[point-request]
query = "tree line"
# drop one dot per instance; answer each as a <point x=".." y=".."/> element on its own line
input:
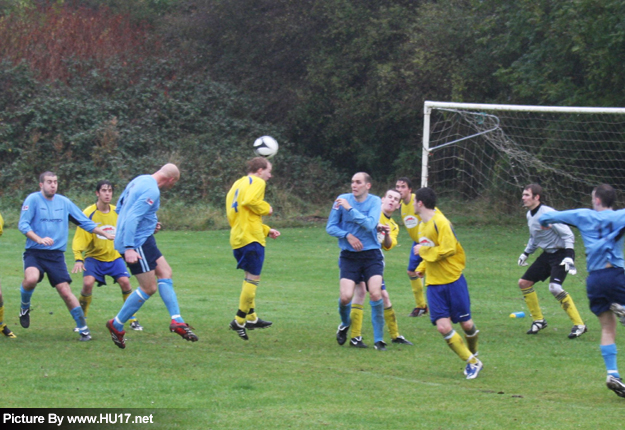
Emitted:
<point x="340" y="83"/>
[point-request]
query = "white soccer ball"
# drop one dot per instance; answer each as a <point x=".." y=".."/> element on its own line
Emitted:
<point x="266" y="146"/>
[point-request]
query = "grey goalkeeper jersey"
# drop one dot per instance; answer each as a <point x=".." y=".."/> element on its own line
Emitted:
<point x="559" y="236"/>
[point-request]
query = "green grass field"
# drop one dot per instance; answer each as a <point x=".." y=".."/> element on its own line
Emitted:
<point x="294" y="375"/>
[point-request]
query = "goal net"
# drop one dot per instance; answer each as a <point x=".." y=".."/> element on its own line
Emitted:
<point x="485" y="154"/>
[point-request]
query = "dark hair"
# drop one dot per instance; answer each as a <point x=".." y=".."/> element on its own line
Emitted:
<point x="393" y="190"/>
<point x="427" y="196"/>
<point x="102" y="183"/>
<point x="536" y="190"/>
<point x="44" y="174"/>
<point x="257" y="163"/>
<point x="606" y="194"/>
<point x="406" y="180"/>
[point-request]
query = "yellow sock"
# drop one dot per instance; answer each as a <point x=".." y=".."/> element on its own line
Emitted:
<point x="417" y="289"/>
<point x="125" y="295"/>
<point x="391" y="322"/>
<point x="356" y="317"/>
<point x="569" y="307"/>
<point x="85" y="302"/>
<point x="248" y="293"/>
<point x="531" y="300"/>
<point x="471" y="338"/>
<point x="251" y="314"/>
<point x="454" y="340"/>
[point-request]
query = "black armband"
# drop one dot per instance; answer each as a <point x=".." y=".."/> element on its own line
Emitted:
<point x="570" y="253"/>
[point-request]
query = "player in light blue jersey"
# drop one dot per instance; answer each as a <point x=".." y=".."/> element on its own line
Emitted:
<point x="44" y="221"/>
<point x="136" y="225"/>
<point x="354" y="221"/>
<point x="602" y="231"/>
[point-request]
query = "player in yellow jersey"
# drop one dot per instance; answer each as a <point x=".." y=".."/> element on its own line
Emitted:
<point x="245" y="208"/>
<point x="96" y="256"/>
<point x="3" y="327"/>
<point x="447" y="290"/>
<point x="411" y="221"/>
<point x="390" y="202"/>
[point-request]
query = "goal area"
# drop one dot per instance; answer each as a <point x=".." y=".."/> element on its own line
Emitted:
<point x="482" y="155"/>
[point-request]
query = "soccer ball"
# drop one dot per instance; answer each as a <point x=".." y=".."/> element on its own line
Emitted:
<point x="266" y="146"/>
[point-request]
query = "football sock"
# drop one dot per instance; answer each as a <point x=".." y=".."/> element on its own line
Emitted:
<point x="471" y="338"/>
<point x="246" y="300"/>
<point x="1" y="313"/>
<point x="344" y="312"/>
<point x="166" y="290"/>
<point x="531" y="300"/>
<point x="356" y="317"/>
<point x="454" y="340"/>
<point x="377" y="319"/>
<point x="79" y="317"/>
<point x="251" y="314"/>
<point x="417" y="289"/>
<point x="391" y="322"/>
<point x="85" y="302"/>
<point x="26" y="295"/>
<point x="569" y="307"/>
<point x="609" y="357"/>
<point x="125" y="295"/>
<point x="132" y="304"/>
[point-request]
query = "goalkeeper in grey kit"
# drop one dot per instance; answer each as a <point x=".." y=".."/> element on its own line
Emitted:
<point x="557" y="259"/>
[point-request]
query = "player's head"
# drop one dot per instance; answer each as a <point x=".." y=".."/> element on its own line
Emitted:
<point x="404" y="186"/>
<point x="426" y="197"/>
<point x="361" y="184"/>
<point x="167" y="176"/>
<point x="603" y="197"/>
<point x="104" y="191"/>
<point x="48" y="182"/>
<point x="259" y="166"/>
<point x="531" y="196"/>
<point x="390" y="201"/>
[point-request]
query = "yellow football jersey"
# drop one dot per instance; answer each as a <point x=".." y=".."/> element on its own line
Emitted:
<point x="410" y="219"/>
<point x="245" y="207"/>
<point x="1" y="224"/>
<point x="93" y="245"/>
<point x="386" y="220"/>
<point x="443" y="256"/>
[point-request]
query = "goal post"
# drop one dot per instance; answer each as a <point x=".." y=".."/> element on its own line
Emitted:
<point x="487" y="153"/>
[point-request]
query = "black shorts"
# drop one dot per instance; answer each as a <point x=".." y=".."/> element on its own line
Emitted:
<point x="148" y="253"/>
<point x="51" y="263"/>
<point x="547" y="266"/>
<point x="361" y="266"/>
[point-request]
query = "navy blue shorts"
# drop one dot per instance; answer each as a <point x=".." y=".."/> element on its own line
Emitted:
<point x="148" y="253"/>
<point x="547" y="265"/>
<point x="99" y="269"/>
<point x="250" y="258"/>
<point x="51" y="263"/>
<point x="449" y="301"/>
<point x="604" y="287"/>
<point x="414" y="260"/>
<point x="361" y="266"/>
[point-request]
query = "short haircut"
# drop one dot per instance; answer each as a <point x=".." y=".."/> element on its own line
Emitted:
<point x="366" y="176"/>
<point x="392" y="190"/>
<point x="607" y="194"/>
<point x="44" y="174"/>
<point x="102" y="183"/>
<point x="257" y="163"/>
<point x="536" y="190"/>
<point x="406" y="180"/>
<point x="427" y="196"/>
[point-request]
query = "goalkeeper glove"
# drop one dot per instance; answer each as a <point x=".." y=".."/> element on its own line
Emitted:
<point x="569" y="265"/>
<point x="523" y="260"/>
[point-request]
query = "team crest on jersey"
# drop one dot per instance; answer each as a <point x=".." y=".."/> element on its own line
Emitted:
<point x="424" y="241"/>
<point x="411" y="221"/>
<point x="25" y="207"/>
<point x="110" y="229"/>
<point x="149" y="201"/>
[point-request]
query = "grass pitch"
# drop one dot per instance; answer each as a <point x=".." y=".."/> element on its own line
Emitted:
<point x="294" y="375"/>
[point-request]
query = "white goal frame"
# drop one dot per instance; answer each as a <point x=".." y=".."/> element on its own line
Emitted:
<point x="430" y="105"/>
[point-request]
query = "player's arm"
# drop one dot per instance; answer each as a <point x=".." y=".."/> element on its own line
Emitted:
<point x="368" y="222"/>
<point x="334" y="220"/>
<point x="254" y="199"/>
<point x="390" y="238"/>
<point x="25" y="223"/>
<point x="82" y="240"/>
<point x="447" y="244"/>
